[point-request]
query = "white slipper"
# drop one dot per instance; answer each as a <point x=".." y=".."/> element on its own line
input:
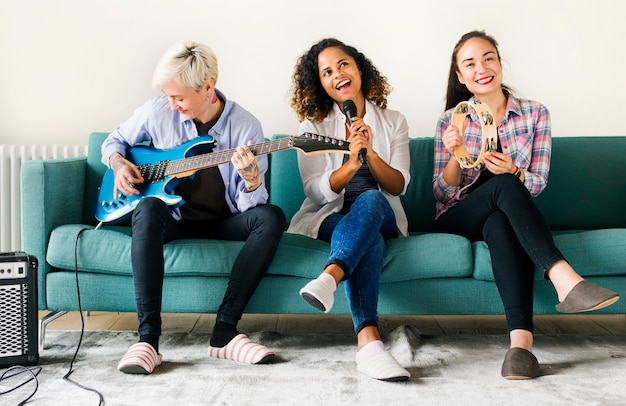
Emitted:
<point x="242" y="349"/>
<point x="141" y="358"/>
<point x="382" y="366"/>
<point x="318" y="295"/>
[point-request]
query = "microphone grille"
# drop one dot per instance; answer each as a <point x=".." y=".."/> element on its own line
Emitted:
<point x="349" y="109"/>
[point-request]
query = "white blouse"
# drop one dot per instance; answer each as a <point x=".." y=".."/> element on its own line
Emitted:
<point x="390" y="139"/>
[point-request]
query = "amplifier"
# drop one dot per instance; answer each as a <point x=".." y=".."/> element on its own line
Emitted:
<point x="18" y="309"/>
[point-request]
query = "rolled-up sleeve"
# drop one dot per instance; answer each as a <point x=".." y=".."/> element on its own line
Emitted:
<point x="443" y="192"/>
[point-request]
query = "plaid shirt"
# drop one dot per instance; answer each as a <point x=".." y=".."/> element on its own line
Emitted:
<point x="525" y="136"/>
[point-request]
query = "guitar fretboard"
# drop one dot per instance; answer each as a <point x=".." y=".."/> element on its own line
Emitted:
<point x="208" y="160"/>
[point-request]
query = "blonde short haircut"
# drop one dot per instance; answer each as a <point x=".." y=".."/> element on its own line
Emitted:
<point x="189" y="64"/>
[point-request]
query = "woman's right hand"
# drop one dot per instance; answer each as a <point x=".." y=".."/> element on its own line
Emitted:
<point x="453" y="137"/>
<point x="127" y="175"/>
<point x="360" y="137"/>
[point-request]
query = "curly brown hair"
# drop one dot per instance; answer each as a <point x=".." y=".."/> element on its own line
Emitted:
<point x="310" y="100"/>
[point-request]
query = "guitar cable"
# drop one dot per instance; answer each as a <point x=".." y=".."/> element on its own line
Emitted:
<point x="82" y="327"/>
<point x="33" y="371"/>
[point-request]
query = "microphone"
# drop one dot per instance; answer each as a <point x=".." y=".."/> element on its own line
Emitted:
<point x="349" y="109"/>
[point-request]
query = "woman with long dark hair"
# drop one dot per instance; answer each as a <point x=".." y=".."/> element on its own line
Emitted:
<point x="495" y="204"/>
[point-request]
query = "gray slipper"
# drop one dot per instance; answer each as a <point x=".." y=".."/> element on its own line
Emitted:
<point x="585" y="297"/>
<point x="520" y="364"/>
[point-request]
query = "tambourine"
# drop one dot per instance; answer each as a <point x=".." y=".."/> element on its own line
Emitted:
<point x="489" y="134"/>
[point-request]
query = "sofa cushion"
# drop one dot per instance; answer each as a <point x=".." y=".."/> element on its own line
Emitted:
<point x="586" y="185"/>
<point x="286" y="189"/>
<point x="591" y="253"/>
<point x="425" y="256"/>
<point x="93" y="177"/>
<point x="107" y="250"/>
<point x="99" y="251"/>
<point x="419" y="200"/>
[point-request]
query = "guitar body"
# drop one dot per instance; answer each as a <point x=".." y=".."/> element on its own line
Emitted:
<point x="163" y="170"/>
<point x="114" y="209"/>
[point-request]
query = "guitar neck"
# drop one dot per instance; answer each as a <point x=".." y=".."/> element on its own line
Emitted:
<point x="191" y="164"/>
<point x="158" y="175"/>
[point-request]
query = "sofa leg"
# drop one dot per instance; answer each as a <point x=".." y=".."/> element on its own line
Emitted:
<point x="44" y="321"/>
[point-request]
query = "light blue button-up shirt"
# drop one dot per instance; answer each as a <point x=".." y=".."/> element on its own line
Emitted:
<point x="155" y="122"/>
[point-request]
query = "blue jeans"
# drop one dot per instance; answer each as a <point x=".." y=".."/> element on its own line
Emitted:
<point x="357" y="245"/>
<point x="261" y="228"/>
<point x="503" y="214"/>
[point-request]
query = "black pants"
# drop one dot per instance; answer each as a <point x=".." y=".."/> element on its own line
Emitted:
<point x="503" y="214"/>
<point x="261" y="228"/>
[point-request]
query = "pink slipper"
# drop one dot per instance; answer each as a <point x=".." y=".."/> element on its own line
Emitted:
<point x="242" y="349"/>
<point x="141" y="358"/>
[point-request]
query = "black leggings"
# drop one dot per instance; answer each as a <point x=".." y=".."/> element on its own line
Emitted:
<point x="261" y="228"/>
<point x="503" y="214"/>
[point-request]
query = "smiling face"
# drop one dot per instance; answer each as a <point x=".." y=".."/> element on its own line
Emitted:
<point x="339" y="75"/>
<point x="190" y="103"/>
<point x="479" y="67"/>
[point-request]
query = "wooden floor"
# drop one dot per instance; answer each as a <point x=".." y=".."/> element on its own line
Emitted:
<point x="593" y="324"/>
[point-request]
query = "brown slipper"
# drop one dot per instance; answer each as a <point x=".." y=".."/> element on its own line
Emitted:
<point x="519" y="364"/>
<point x="585" y="297"/>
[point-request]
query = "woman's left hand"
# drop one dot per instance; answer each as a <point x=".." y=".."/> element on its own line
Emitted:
<point x="247" y="166"/>
<point x="499" y="163"/>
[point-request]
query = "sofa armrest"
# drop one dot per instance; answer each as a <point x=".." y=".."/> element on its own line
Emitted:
<point x="52" y="193"/>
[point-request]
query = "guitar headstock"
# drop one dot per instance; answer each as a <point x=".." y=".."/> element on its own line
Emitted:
<point x="311" y="143"/>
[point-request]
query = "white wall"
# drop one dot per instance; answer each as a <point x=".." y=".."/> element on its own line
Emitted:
<point x="70" y="67"/>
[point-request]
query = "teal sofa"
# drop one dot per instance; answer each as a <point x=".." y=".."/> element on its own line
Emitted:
<point x="424" y="274"/>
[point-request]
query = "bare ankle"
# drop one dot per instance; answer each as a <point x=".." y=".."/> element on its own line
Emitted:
<point x="563" y="277"/>
<point x="336" y="272"/>
<point x="367" y="335"/>
<point x="521" y="339"/>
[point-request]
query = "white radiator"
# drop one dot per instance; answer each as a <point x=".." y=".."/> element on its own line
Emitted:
<point x="11" y="158"/>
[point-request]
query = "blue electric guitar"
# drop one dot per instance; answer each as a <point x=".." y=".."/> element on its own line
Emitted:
<point x="163" y="170"/>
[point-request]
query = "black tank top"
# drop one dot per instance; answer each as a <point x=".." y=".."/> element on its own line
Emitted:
<point x="362" y="181"/>
<point x="204" y="194"/>
<point x="485" y="175"/>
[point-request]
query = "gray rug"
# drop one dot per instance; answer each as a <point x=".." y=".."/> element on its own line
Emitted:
<point x="320" y="370"/>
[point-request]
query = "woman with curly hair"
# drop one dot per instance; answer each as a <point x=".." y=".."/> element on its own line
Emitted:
<point x="352" y="200"/>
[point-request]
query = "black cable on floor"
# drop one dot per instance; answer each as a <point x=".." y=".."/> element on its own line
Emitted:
<point x="20" y="370"/>
<point x="82" y="327"/>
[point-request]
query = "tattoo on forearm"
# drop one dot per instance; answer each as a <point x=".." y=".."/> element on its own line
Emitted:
<point x="251" y="176"/>
<point x="116" y="161"/>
